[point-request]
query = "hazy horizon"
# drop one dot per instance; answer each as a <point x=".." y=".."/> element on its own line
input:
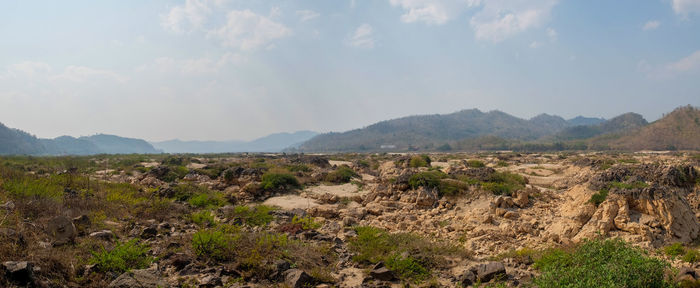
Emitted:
<point x="239" y="70"/>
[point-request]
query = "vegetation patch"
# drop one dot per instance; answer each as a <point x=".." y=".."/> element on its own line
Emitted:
<point x="419" y="161"/>
<point x="123" y="257"/>
<point x="599" y="197"/>
<point x="278" y="181"/>
<point x="341" y="175"/>
<point x="409" y="255"/>
<point x="503" y="183"/>
<point x="601" y="263"/>
<point x="475" y="164"/>
<point x="252" y="216"/>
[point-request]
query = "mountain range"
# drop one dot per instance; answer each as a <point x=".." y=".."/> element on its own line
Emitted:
<point x="466" y="130"/>
<point x="469" y="130"/>
<point x="270" y="143"/>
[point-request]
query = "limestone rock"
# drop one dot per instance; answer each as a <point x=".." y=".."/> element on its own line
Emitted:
<point x="62" y="230"/>
<point x="138" y="278"/>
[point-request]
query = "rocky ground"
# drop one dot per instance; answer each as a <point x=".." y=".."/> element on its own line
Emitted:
<point x="381" y="220"/>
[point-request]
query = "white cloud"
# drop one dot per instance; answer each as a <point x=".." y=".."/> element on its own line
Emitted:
<point x="82" y="74"/>
<point x="306" y="15"/>
<point x="363" y="37"/>
<point x="434" y="12"/>
<point x="685" y="7"/>
<point x="552" y="34"/>
<point x="246" y="30"/>
<point x="651" y="25"/>
<point x="686" y="64"/>
<point x="28" y="68"/>
<point x="187" y="17"/>
<point x="535" y="44"/>
<point x="501" y="19"/>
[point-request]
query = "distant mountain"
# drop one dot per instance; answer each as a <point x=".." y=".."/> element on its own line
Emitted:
<point x="622" y="123"/>
<point x="431" y="131"/>
<point x="17" y="142"/>
<point x="679" y="129"/>
<point x="270" y="143"/>
<point x="584" y="121"/>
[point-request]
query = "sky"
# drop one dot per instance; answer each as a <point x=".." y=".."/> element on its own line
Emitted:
<point x="242" y="69"/>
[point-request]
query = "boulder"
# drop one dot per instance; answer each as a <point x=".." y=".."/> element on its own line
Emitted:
<point x="19" y="272"/>
<point x="106" y="235"/>
<point x="486" y="272"/>
<point x="149" y="232"/>
<point x="296" y="278"/>
<point x="62" y="230"/>
<point x="380" y="272"/>
<point x="138" y="278"/>
<point x="467" y="278"/>
<point x="426" y="197"/>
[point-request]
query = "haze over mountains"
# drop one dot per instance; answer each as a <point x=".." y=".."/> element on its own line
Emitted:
<point x="466" y="130"/>
<point x="270" y="143"/>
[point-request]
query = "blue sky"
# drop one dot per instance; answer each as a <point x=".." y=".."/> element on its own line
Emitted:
<point x="220" y="70"/>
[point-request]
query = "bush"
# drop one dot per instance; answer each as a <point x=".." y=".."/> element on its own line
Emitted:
<point x="299" y="168"/>
<point x="503" y="183"/>
<point x="306" y="222"/>
<point x="675" y="249"/>
<point x="691" y="256"/>
<point x="203" y="218"/>
<point x="341" y="175"/>
<point x="428" y="179"/>
<point x="408" y="255"/>
<point x="216" y="244"/>
<point x="600" y="263"/>
<point x="123" y="257"/>
<point x="271" y="181"/>
<point x="475" y="164"/>
<point x="253" y="216"/>
<point x="419" y="161"/>
<point x="599" y="197"/>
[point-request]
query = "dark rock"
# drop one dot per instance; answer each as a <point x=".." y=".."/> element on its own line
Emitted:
<point x="296" y="278"/>
<point x="467" y="278"/>
<point x="491" y="270"/>
<point x="19" y="272"/>
<point x="138" y="278"/>
<point x="380" y="272"/>
<point x="62" y="230"/>
<point x="180" y="261"/>
<point x="149" y="232"/>
<point x="82" y="223"/>
<point x="7" y="234"/>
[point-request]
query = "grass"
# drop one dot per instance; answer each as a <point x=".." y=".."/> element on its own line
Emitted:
<point x="252" y="216"/>
<point x="203" y="218"/>
<point x="601" y="263"/>
<point x="409" y="255"/>
<point x="123" y="257"/>
<point x="342" y="174"/>
<point x="428" y="179"/>
<point x="475" y="164"/>
<point x="419" y="161"/>
<point x="503" y="183"/>
<point x="215" y="244"/>
<point x="306" y="222"/>
<point x="277" y="181"/>
<point x="599" y="197"/>
<point x="199" y="196"/>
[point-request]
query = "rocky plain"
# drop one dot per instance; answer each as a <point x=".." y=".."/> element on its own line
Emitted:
<point x="349" y="220"/>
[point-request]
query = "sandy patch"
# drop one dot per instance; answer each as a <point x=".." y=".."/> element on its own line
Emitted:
<point x="196" y="165"/>
<point x="289" y="202"/>
<point x="345" y="190"/>
<point x="149" y="164"/>
<point x="339" y="163"/>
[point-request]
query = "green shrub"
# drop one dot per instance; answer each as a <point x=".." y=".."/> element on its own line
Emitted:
<point x="428" y="179"/>
<point x="625" y="186"/>
<point x="600" y="263"/>
<point x="216" y="243"/>
<point x="208" y="199"/>
<point x="691" y="256"/>
<point x="203" y="218"/>
<point x="123" y="257"/>
<point x="419" y="161"/>
<point x="503" y="183"/>
<point x="599" y="197"/>
<point x="675" y="249"/>
<point x="299" y="168"/>
<point x="409" y="255"/>
<point x="475" y="164"/>
<point x="341" y="175"/>
<point x="253" y="216"/>
<point x="175" y="172"/>
<point x="307" y="222"/>
<point x="271" y="180"/>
